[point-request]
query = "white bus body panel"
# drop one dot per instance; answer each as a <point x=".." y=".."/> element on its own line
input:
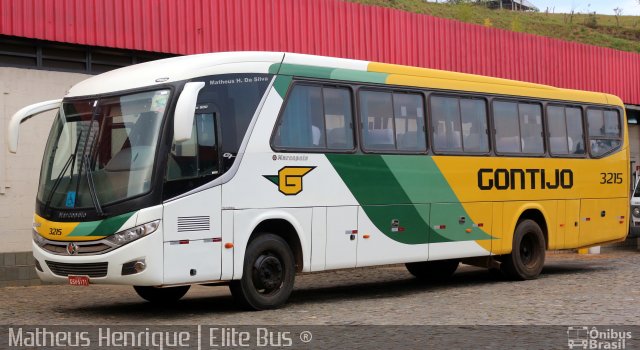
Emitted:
<point x="192" y="238"/>
<point x="342" y="237"/>
<point x="379" y="249"/>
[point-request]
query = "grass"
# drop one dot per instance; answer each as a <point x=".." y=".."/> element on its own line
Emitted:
<point x="599" y="30"/>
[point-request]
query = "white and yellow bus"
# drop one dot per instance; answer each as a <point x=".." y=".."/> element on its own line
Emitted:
<point x="249" y="167"/>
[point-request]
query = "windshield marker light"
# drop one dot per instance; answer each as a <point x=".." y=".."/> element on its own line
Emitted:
<point x="130" y="235"/>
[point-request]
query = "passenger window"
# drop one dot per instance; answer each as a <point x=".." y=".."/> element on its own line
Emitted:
<point x="604" y="131"/>
<point x="377" y="120"/>
<point x="409" y="117"/>
<point x="575" y="133"/>
<point x="338" y="118"/>
<point x="459" y="124"/>
<point x="557" y="130"/>
<point x="475" y="138"/>
<point x="518" y="127"/>
<point x="531" y="128"/>
<point x="505" y="119"/>
<point x="392" y="121"/>
<point x="445" y="120"/>
<point x="316" y="118"/>
<point x="611" y="124"/>
<point x="302" y="124"/>
<point x="565" y="130"/>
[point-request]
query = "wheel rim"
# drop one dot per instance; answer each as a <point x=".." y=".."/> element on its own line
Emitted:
<point x="267" y="273"/>
<point x="528" y="250"/>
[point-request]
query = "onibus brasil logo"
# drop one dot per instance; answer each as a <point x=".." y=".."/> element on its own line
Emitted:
<point x="289" y="179"/>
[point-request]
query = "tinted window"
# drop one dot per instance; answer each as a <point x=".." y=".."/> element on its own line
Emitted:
<point x="531" y="128"/>
<point x="604" y="131"/>
<point x="409" y="122"/>
<point x="338" y="119"/>
<point x="377" y="120"/>
<point x="316" y="117"/>
<point x="505" y="119"/>
<point x="392" y="121"/>
<point x="459" y="124"/>
<point x="197" y="156"/>
<point x="596" y="122"/>
<point x="557" y="130"/>
<point x="575" y="133"/>
<point x="225" y="108"/>
<point x="518" y="127"/>
<point x="445" y="119"/>
<point x="565" y="130"/>
<point x="302" y="125"/>
<point x="474" y="125"/>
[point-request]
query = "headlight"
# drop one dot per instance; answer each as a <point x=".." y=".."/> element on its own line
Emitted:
<point x="636" y="212"/>
<point x="130" y="235"/>
<point x="40" y="241"/>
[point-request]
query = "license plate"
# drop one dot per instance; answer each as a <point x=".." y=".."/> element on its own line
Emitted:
<point x="79" y="280"/>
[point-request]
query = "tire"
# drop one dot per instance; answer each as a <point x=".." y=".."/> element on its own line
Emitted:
<point x="528" y="252"/>
<point x="268" y="274"/>
<point x="161" y="295"/>
<point x="438" y="270"/>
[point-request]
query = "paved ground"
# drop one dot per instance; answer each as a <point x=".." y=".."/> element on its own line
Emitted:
<point x="573" y="289"/>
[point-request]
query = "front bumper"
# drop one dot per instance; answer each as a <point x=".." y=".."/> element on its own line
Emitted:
<point x="106" y="268"/>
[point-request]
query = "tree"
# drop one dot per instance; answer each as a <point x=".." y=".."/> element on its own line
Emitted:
<point x="618" y="12"/>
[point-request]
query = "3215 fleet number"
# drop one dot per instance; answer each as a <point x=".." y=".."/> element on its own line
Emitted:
<point x="610" y="178"/>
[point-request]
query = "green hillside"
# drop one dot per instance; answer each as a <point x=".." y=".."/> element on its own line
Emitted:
<point x="600" y="30"/>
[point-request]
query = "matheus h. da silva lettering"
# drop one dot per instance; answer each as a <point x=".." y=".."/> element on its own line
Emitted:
<point x="161" y="177"/>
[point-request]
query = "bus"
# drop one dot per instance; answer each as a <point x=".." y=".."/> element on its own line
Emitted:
<point x="246" y="168"/>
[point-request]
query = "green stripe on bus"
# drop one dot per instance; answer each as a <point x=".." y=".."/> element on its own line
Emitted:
<point x="282" y="84"/>
<point x="328" y="73"/>
<point x="409" y="183"/>
<point x="104" y="227"/>
<point x="359" y="76"/>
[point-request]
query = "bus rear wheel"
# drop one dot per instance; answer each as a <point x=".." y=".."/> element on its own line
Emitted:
<point x="527" y="256"/>
<point x="268" y="274"/>
<point x="438" y="270"/>
<point x="161" y="295"/>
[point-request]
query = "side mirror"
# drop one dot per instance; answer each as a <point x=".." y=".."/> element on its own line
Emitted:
<point x="23" y="115"/>
<point x="185" y="109"/>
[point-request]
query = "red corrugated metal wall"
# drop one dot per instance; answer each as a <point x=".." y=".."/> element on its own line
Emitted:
<point x="324" y="27"/>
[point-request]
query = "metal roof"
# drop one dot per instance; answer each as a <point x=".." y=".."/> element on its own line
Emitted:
<point x="329" y="28"/>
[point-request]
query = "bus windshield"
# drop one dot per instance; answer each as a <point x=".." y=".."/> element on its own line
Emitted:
<point x="101" y="150"/>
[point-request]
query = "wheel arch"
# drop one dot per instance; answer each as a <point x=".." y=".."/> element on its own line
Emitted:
<point x="538" y="214"/>
<point x="282" y="228"/>
<point x="288" y="225"/>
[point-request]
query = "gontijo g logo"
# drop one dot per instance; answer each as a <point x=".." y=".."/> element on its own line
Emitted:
<point x="289" y="179"/>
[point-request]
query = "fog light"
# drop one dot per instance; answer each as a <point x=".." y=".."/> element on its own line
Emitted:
<point x="636" y="212"/>
<point x="38" y="267"/>
<point x="133" y="267"/>
<point x="139" y="266"/>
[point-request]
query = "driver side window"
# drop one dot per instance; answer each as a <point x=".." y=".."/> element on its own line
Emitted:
<point x="198" y="156"/>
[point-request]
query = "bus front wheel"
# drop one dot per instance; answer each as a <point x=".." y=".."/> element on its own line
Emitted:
<point x="437" y="270"/>
<point x="527" y="256"/>
<point x="268" y="274"/>
<point x="161" y="295"/>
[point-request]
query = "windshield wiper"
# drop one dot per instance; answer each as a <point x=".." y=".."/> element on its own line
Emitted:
<point x="92" y="186"/>
<point x="71" y="161"/>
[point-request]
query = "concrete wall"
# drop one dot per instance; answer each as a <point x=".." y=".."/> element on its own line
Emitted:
<point x="19" y="172"/>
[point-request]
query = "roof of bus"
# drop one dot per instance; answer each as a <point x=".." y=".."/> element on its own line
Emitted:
<point x="187" y="67"/>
